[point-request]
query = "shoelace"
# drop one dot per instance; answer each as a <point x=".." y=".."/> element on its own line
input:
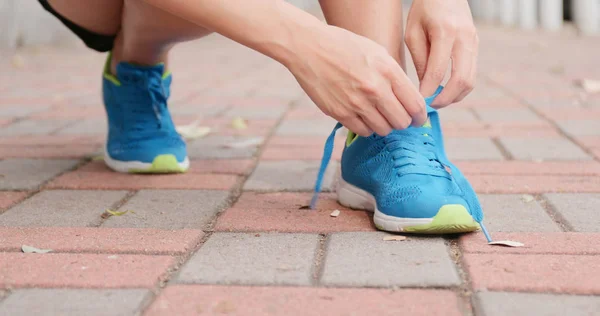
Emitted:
<point x="152" y="86"/>
<point x="436" y="131"/>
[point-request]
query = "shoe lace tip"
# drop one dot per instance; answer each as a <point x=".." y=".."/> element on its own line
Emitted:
<point x="313" y="201"/>
<point x="485" y="232"/>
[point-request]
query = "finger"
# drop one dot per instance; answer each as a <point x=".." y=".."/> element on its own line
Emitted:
<point x="460" y="78"/>
<point x="393" y="111"/>
<point x="473" y="78"/>
<point x="418" y="46"/>
<point x="411" y="100"/>
<point x="357" y="126"/>
<point x="437" y="64"/>
<point x="376" y="122"/>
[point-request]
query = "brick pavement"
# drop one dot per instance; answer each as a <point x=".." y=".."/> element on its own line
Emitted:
<point x="231" y="236"/>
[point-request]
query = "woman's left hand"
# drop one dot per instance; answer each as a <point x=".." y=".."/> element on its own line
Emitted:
<point x="438" y="32"/>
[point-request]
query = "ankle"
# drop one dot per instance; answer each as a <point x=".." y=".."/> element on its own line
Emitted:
<point x="137" y="54"/>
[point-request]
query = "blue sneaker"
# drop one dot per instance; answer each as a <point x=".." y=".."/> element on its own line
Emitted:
<point x="406" y="179"/>
<point x="141" y="134"/>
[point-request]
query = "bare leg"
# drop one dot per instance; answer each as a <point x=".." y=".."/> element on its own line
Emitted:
<point x="145" y="34"/>
<point x="380" y="21"/>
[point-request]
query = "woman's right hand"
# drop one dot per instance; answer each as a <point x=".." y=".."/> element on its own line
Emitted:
<point x="355" y="81"/>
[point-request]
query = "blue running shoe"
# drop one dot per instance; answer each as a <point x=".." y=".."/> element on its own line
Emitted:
<point x="406" y="179"/>
<point x="141" y="134"/>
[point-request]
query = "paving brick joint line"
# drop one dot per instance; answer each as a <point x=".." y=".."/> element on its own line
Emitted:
<point x="231" y="236"/>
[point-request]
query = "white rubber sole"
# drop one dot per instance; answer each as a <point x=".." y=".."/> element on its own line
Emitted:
<point x="353" y="197"/>
<point x="172" y="166"/>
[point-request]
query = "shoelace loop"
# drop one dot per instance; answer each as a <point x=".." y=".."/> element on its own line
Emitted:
<point x="148" y="84"/>
<point x="440" y="154"/>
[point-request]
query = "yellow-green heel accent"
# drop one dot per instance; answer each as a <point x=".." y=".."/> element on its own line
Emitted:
<point x="450" y="219"/>
<point x="162" y="164"/>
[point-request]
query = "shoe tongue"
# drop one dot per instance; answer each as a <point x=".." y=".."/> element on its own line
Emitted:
<point x="427" y="124"/>
<point x="127" y="71"/>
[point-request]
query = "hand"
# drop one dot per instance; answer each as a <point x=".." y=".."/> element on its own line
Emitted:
<point x="438" y="31"/>
<point x="355" y="81"/>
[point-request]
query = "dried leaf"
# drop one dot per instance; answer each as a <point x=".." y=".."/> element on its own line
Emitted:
<point x="239" y="123"/>
<point x="527" y="198"/>
<point x="116" y="213"/>
<point x="30" y="249"/>
<point x="251" y="142"/>
<point x="335" y="213"/>
<point x="98" y="158"/>
<point x="394" y="238"/>
<point x="590" y="86"/>
<point x="506" y="243"/>
<point x="193" y="130"/>
<point x="18" y="61"/>
<point x="304" y="207"/>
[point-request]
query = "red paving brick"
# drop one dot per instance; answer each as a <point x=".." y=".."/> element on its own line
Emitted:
<point x="536" y="243"/>
<point x="571" y="113"/>
<point x="230" y="300"/>
<point x="55" y="270"/>
<point x="463" y="130"/>
<point x="534" y="184"/>
<point x="300" y="153"/>
<point x="72" y="151"/>
<point x="219" y="166"/>
<point x="589" y="141"/>
<point x="281" y="212"/>
<point x="9" y="198"/>
<point x="573" y="274"/>
<point x="293" y="141"/>
<point x="504" y="103"/>
<point x="119" y="181"/>
<point x="587" y="168"/>
<point x="101" y="240"/>
<point x="51" y="140"/>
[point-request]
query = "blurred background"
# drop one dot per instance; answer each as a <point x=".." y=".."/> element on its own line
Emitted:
<point x="23" y="22"/>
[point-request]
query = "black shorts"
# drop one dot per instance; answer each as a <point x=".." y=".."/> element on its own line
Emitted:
<point x="95" y="41"/>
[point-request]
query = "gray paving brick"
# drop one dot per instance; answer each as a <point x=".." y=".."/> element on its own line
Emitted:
<point x="538" y="304"/>
<point x="580" y="128"/>
<point x="214" y="147"/>
<point x="24" y="174"/>
<point x="252" y="259"/>
<point x="61" y="208"/>
<point x="33" y="127"/>
<point x="306" y="127"/>
<point x="543" y="148"/>
<point x="510" y="115"/>
<point x="21" y="111"/>
<point x="515" y="213"/>
<point x="273" y="112"/>
<point x="472" y="149"/>
<point x="456" y="115"/>
<point x="51" y="302"/>
<point x="579" y="209"/>
<point x="365" y="259"/>
<point x="170" y="209"/>
<point x="292" y="175"/>
<point x="86" y="127"/>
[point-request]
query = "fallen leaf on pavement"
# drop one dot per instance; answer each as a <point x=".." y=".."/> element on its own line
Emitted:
<point x="506" y="243"/>
<point x="252" y="142"/>
<point x="18" y="61"/>
<point x="335" y="213"/>
<point x="30" y="249"/>
<point x="393" y="238"/>
<point x="193" y="130"/>
<point x="239" y="123"/>
<point x="590" y="86"/>
<point x="527" y="198"/>
<point x="116" y="213"/>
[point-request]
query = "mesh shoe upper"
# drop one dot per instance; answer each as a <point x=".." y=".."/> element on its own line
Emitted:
<point x="140" y="126"/>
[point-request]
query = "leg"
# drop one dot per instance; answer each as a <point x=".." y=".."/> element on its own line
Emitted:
<point x="148" y="33"/>
<point x="380" y="20"/>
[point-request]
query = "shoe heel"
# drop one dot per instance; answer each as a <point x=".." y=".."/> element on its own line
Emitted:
<point x="353" y="197"/>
